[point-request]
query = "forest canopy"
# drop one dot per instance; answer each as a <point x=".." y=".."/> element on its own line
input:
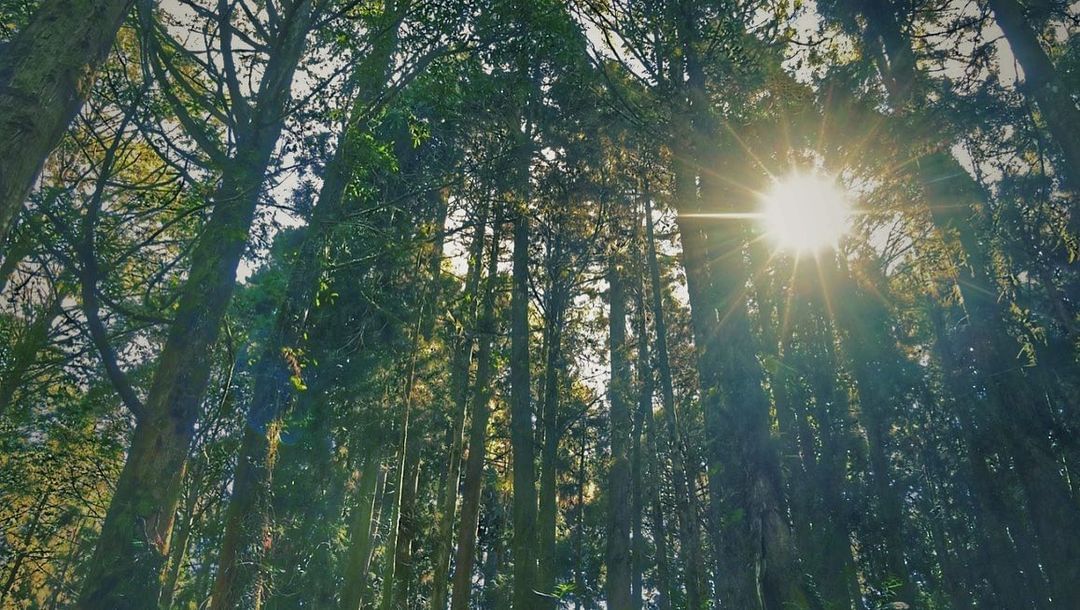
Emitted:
<point x="539" y="304"/>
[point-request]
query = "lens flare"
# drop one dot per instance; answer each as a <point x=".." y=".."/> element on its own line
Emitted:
<point x="806" y="213"/>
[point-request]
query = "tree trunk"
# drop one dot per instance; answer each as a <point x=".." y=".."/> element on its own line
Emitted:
<point x="474" y="464"/>
<point x="617" y="551"/>
<point x="684" y="476"/>
<point x="463" y="352"/>
<point x="278" y="374"/>
<point x="133" y="544"/>
<point x="354" y="573"/>
<point x="1014" y="421"/>
<point x="521" y="425"/>
<point x="553" y="366"/>
<point x="46" y="73"/>
<point x="649" y="467"/>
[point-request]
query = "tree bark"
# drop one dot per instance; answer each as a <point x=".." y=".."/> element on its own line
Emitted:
<point x="1014" y="420"/>
<point x="278" y="373"/>
<point x="463" y="353"/>
<point x="474" y="463"/>
<point x="553" y="367"/>
<point x="521" y="425"/>
<point x="46" y="73"/>
<point x="648" y="467"/>
<point x="355" y="573"/>
<point x="684" y="476"/>
<point x="133" y="544"/>
<point x="619" y="501"/>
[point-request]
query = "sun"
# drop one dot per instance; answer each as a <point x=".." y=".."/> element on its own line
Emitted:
<point x="806" y="212"/>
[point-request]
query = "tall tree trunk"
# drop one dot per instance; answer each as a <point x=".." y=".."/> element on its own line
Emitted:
<point x="743" y="460"/>
<point x="402" y="575"/>
<point x="398" y="555"/>
<point x="463" y="352"/>
<point x="617" y="550"/>
<point x="876" y="366"/>
<point x="46" y="73"/>
<point x="648" y="468"/>
<point x="521" y="425"/>
<point x="553" y="367"/>
<point x="182" y="536"/>
<point x="133" y="544"/>
<point x="684" y="476"/>
<point x="248" y="534"/>
<point x="474" y="463"/>
<point x="354" y="572"/>
<point x="579" y="528"/>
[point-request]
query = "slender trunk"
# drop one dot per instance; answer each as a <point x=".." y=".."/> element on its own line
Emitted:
<point x="648" y="469"/>
<point x="876" y="367"/>
<point x="474" y="463"/>
<point x="1002" y="559"/>
<point x="579" y="529"/>
<point x="133" y="544"/>
<point x="521" y="424"/>
<point x="46" y="73"/>
<point x="548" y="515"/>
<point x="354" y="572"/>
<point x="278" y="372"/>
<point x="739" y="429"/>
<point x="399" y="537"/>
<point x="637" y="542"/>
<point x="463" y="352"/>
<point x="684" y="476"/>
<point x="617" y="551"/>
<point x="182" y="535"/>
<point x="407" y="528"/>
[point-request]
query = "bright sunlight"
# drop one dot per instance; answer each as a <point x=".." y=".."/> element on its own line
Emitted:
<point x="806" y="212"/>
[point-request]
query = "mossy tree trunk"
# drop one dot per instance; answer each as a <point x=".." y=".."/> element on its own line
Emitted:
<point x="46" y="73"/>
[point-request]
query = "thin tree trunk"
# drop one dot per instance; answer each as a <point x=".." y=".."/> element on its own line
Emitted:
<point x="1015" y="420"/>
<point x="179" y="544"/>
<point x="133" y="545"/>
<point x="474" y="463"/>
<point x="46" y="73"/>
<point x="617" y="550"/>
<point x="463" y="352"/>
<point x="278" y="374"/>
<point x="354" y="573"/>
<point x="521" y="424"/>
<point x="548" y="515"/>
<point x="649" y="467"/>
<point x="579" y="529"/>
<point x="683" y="475"/>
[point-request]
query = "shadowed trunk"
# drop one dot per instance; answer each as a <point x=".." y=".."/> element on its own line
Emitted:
<point x="463" y="353"/>
<point x="521" y="424"/>
<point x="46" y="73"/>
<point x="133" y="544"/>
<point x="465" y="557"/>
<point x="618" y="585"/>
